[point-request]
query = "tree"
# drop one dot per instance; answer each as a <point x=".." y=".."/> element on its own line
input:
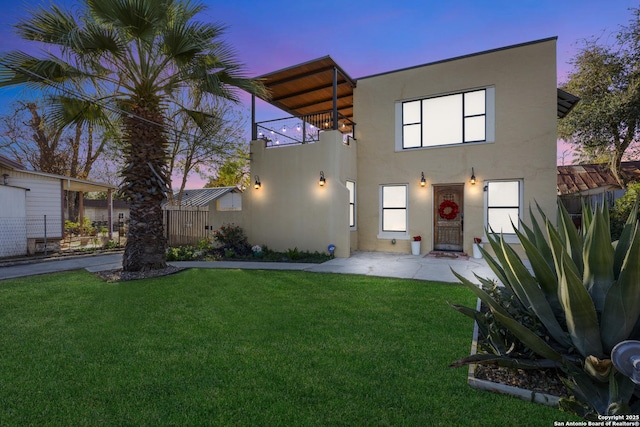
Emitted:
<point x="39" y="143"/>
<point x="135" y="57"/>
<point x="605" y="123"/>
<point x="233" y="172"/>
<point x="199" y="144"/>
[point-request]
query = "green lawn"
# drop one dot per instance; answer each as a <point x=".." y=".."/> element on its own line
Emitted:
<point x="260" y="348"/>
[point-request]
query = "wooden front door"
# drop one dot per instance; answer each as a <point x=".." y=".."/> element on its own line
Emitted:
<point x="448" y="217"/>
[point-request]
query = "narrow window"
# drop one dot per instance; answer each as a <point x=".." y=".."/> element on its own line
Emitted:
<point x="351" y="186"/>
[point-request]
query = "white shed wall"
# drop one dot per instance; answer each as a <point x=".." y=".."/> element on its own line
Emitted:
<point x="13" y="224"/>
<point x="43" y="198"/>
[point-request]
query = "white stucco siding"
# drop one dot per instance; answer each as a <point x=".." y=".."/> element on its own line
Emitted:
<point x="13" y="225"/>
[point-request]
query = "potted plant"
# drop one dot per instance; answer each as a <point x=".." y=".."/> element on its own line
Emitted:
<point x="415" y="245"/>
<point x="477" y="244"/>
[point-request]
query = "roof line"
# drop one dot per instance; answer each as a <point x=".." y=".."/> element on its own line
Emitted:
<point x="346" y="75"/>
<point x="462" y="57"/>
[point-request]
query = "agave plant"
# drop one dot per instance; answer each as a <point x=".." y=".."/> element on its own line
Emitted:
<point x="583" y="292"/>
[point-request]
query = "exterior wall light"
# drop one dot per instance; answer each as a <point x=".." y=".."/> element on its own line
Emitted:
<point x="257" y="184"/>
<point x="322" y="181"/>
<point x="423" y="181"/>
<point x="473" y="177"/>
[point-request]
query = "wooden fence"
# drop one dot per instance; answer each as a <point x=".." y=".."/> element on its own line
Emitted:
<point x="185" y="226"/>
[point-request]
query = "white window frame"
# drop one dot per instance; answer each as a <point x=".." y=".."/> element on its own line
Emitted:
<point x="352" y="205"/>
<point x="393" y="234"/>
<point x="489" y="120"/>
<point x="509" y="237"/>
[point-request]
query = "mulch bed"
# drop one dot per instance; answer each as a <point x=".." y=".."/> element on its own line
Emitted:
<point x="541" y="381"/>
<point x="122" y="276"/>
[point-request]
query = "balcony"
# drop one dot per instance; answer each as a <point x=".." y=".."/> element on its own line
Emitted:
<point x="303" y="130"/>
<point x="317" y="94"/>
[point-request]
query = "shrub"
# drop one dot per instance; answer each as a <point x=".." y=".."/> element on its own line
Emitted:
<point x="232" y="237"/>
<point x="622" y="209"/>
<point x="585" y="294"/>
<point x="184" y="253"/>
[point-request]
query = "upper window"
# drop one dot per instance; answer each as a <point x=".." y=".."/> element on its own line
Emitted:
<point x="447" y="119"/>
<point x="394" y="208"/>
<point x="504" y="203"/>
<point x="351" y="186"/>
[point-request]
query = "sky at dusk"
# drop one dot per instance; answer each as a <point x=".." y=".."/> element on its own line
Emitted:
<point x="369" y="37"/>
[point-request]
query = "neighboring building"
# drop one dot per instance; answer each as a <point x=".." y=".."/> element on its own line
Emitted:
<point x="98" y="211"/>
<point x="31" y="212"/>
<point x="440" y="150"/>
<point x="592" y="184"/>
<point x="188" y="222"/>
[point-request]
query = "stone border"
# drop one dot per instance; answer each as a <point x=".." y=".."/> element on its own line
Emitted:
<point x="520" y="393"/>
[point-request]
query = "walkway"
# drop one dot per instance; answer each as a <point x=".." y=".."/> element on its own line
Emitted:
<point x="381" y="264"/>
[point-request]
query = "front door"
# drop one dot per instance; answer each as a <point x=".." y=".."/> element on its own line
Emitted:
<point x="448" y="217"/>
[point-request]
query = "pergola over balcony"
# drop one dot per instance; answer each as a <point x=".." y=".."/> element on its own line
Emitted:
<point x="317" y="94"/>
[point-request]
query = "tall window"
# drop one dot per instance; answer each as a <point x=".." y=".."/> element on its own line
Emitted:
<point x="394" y="208"/>
<point x="448" y="119"/>
<point x="351" y="186"/>
<point x="504" y="203"/>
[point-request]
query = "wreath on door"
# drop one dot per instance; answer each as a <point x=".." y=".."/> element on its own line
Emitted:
<point x="448" y="209"/>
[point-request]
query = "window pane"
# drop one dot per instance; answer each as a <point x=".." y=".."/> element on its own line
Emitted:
<point x="503" y="194"/>
<point x="411" y="112"/>
<point x="474" y="103"/>
<point x="394" y="220"/>
<point x="474" y="129"/>
<point x="411" y="136"/>
<point x="351" y="186"/>
<point x="352" y="216"/>
<point x="500" y="219"/>
<point x="442" y="120"/>
<point x="394" y="196"/>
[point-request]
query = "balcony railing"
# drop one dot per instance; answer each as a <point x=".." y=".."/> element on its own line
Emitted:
<point x="302" y="130"/>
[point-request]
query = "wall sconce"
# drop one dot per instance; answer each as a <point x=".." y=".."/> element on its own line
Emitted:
<point x="257" y="184"/>
<point x="473" y="177"/>
<point x="423" y="181"/>
<point x="322" y="181"/>
<point x="5" y="178"/>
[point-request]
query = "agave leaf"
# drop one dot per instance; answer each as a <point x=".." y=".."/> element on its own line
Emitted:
<point x="546" y="276"/>
<point x="541" y="242"/>
<point x="625" y="240"/>
<point x="491" y="262"/>
<point x="591" y="391"/>
<point x="484" y="297"/>
<point x="621" y="390"/>
<point x="570" y="237"/>
<point x="524" y="283"/>
<point x="580" y="313"/>
<point x="587" y="216"/>
<point x="492" y="359"/>
<point x="599" y="369"/>
<point x="559" y="252"/>
<point x="528" y="337"/>
<point x="622" y="304"/>
<point x="598" y="259"/>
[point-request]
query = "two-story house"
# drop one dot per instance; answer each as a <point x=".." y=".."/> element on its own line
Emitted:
<point x="442" y="151"/>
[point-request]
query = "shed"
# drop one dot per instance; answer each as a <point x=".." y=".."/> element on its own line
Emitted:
<point x="35" y="217"/>
<point x="189" y="222"/>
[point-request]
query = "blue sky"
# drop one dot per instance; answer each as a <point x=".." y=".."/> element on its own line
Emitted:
<point x="369" y="37"/>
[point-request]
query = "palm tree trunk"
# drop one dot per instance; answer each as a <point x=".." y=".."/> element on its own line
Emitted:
<point x="145" y="184"/>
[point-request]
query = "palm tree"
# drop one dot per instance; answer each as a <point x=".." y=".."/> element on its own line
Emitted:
<point x="133" y="58"/>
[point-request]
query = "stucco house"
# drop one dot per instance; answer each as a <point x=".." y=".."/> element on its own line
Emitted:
<point x="440" y="150"/>
<point x="32" y="207"/>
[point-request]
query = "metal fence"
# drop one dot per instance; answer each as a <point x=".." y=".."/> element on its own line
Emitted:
<point x="185" y="226"/>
